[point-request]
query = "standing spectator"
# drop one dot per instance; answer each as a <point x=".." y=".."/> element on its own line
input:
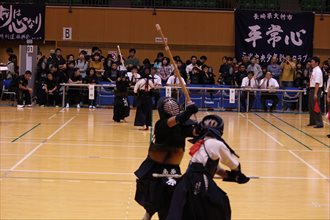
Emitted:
<point x="165" y="70"/>
<point x="92" y="79"/>
<point x="12" y="66"/>
<point x="121" y="104"/>
<point x="193" y="64"/>
<point x="69" y="58"/>
<point x="51" y="91"/>
<point x="59" y="61"/>
<point x="182" y="69"/>
<point x="82" y="64"/>
<point x="195" y="76"/>
<point x="248" y="82"/>
<point x="158" y="61"/>
<point x="269" y="83"/>
<point x="206" y="76"/>
<point x="23" y="92"/>
<point x="315" y="88"/>
<point x="157" y="81"/>
<point x="240" y="75"/>
<point x="97" y="64"/>
<point x="226" y="72"/>
<point x="173" y="80"/>
<point x="74" y="95"/>
<point x="143" y="115"/>
<point x="245" y="61"/>
<point x="202" y="61"/>
<point x="288" y="71"/>
<point x="274" y="68"/>
<point x="256" y="68"/>
<point x="132" y="60"/>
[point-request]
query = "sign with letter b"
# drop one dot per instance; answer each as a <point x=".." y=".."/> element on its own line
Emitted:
<point x="67" y="33"/>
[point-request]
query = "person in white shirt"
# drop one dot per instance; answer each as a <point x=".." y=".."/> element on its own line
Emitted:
<point x="174" y="80"/>
<point x="157" y="81"/>
<point x="197" y="195"/>
<point x="133" y="76"/>
<point x="315" y="88"/>
<point x="269" y="83"/>
<point x="193" y="64"/>
<point x="248" y="82"/>
<point x="143" y="116"/>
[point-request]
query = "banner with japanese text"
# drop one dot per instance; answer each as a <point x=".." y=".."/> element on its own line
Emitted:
<point x="22" y="22"/>
<point x="267" y="33"/>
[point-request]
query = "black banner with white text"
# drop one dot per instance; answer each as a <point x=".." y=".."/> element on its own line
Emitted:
<point x="267" y="33"/>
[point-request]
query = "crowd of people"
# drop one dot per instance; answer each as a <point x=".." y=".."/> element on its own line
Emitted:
<point x="56" y="68"/>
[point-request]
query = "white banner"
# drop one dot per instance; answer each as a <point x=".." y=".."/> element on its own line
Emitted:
<point x="232" y="96"/>
<point x="168" y="91"/>
<point x="91" y="91"/>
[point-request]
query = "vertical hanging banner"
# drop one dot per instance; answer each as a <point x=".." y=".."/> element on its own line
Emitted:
<point x="91" y="89"/>
<point x="22" y="22"/>
<point x="267" y="33"/>
<point x="232" y="96"/>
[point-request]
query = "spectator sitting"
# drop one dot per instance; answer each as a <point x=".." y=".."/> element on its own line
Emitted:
<point x="245" y="61"/>
<point x="240" y="74"/>
<point x="207" y="77"/>
<point x="193" y="63"/>
<point x="59" y="60"/>
<point x="74" y="95"/>
<point x="97" y="64"/>
<point x="248" y="82"/>
<point x="12" y="66"/>
<point x="158" y="60"/>
<point x="195" y="75"/>
<point x="112" y="74"/>
<point x="182" y="69"/>
<point x="256" y="68"/>
<point x="202" y="61"/>
<point x="23" y="92"/>
<point x="274" y="68"/>
<point x="132" y="60"/>
<point x="288" y="71"/>
<point x="226" y="72"/>
<point x="50" y="90"/>
<point x="269" y="83"/>
<point x="165" y="70"/>
<point x="82" y="64"/>
<point x="69" y="58"/>
<point x="299" y="80"/>
<point x="173" y="80"/>
<point x="133" y="76"/>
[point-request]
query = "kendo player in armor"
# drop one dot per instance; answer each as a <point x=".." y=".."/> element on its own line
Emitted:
<point x="164" y="157"/>
<point x="121" y="105"/>
<point x="143" y="88"/>
<point x="197" y="196"/>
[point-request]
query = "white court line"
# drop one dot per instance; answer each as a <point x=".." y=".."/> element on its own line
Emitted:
<point x="265" y="132"/>
<point x="325" y="122"/>
<point x="132" y="175"/>
<point x="242" y="115"/>
<point x="39" y="145"/>
<point x="52" y="116"/>
<point x="129" y="200"/>
<point x="307" y="164"/>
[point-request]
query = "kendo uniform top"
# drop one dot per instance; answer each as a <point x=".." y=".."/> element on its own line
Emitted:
<point x="197" y="196"/>
<point x="155" y="194"/>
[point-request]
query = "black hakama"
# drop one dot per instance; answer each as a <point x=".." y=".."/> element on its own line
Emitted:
<point x="197" y="197"/>
<point x="143" y="116"/>
<point x="121" y="108"/>
<point x="155" y="194"/>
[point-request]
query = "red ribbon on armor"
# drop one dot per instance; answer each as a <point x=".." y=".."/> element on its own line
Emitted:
<point x="193" y="149"/>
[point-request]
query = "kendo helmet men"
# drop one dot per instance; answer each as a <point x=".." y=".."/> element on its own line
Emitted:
<point x="168" y="107"/>
<point x="212" y="123"/>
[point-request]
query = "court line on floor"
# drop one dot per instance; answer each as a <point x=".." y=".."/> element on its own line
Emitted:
<point x="300" y="131"/>
<point x="26" y="132"/>
<point x="132" y="175"/>
<point x="265" y="132"/>
<point x="127" y="145"/>
<point x="307" y="164"/>
<point x="283" y="131"/>
<point x="39" y="145"/>
<point x="129" y="200"/>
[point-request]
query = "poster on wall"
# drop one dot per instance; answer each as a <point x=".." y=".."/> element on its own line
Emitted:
<point x="22" y="22"/>
<point x="267" y="33"/>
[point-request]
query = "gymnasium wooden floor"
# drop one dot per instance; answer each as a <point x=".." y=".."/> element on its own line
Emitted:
<point x="79" y="164"/>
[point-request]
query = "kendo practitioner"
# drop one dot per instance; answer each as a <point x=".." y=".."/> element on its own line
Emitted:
<point x="143" y="88"/>
<point x="121" y="105"/>
<point x="197" y="196"/>
<point x="164" y="157"/>
<point x="23" y="92"/>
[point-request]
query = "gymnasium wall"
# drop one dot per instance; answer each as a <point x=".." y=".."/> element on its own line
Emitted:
<point x="209" y="33"/>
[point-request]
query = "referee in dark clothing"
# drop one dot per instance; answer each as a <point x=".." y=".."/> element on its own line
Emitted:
<point x="315" y="87"/>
